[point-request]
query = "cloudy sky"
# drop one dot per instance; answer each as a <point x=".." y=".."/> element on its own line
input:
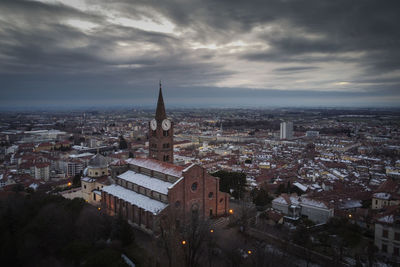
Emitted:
<point x="265" y="53"/>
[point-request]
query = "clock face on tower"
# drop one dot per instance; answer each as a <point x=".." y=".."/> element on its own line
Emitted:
<point x="166" y="124"/>
<point x="153" y="124"/>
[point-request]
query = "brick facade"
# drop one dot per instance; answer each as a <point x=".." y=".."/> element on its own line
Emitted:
<point x="145" y="189"/>
<point x="161" y="143"/>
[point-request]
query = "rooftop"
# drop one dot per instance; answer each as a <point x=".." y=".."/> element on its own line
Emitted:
<point x="153" y="184"/>
<point x="158" y="166"/>
<point x="136" y="199"/>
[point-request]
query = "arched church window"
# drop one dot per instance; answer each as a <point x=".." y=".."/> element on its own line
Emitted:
<point x="194" y="186"/>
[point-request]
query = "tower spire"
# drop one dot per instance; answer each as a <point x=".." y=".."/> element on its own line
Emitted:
<point x="160" y="111"/>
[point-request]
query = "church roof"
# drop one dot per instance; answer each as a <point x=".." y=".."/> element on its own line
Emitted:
<point x="146" y="181"/>
<point x="97" y="161"/>
<point x="136" y="199"/>
<point x="160" y="111"/>
<point x="158" y="166"/>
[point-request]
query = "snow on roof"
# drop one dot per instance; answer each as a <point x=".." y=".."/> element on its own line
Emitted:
<point x="350" y="204"/>
<point x="146" y="181"/>
<point x="316" y="186"/>
<point x="88" y="179"/>
<point x="280" y="200"/>
<point x="312" y="202"/>
<point x="301" y="201"/>
<point x="136" y="199"/>
<point x="158" y="166"/>
<point x="187" y="168"/>
<point x="382" y="195"/>
<point x="300" y="186"/>
<point x="87" y="154"/>
<point x="177" y="181"/>
<point x="33" y="186"/>
<point x="387" y="219"/>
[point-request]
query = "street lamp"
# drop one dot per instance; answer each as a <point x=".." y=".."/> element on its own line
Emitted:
<point x="231" y="211"/>
<point x="249" y="252"/>
<point x="183" y="242"/>
<point x="212" y="231"/>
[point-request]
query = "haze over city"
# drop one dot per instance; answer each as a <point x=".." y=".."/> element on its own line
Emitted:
<point x="69" y="54"/>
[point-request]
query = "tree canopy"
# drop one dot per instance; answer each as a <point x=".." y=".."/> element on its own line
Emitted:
<point x="232" y="180"/>
<point x="48" y="230"/>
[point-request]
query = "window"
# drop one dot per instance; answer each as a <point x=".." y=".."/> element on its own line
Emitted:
<point x="154" y="133"/>
<point x="376" y="202"/>
<point x="194" y="186"/>
<point x="166" y="157"/>
<point x="384" y="248"/>
<point x="397" y="236"/>
<point x="166" y="145"/>
<point x="84" y="186"/>
<point x="165" y="133"/>
<point x="210" y="195"/>
<point x="177" y="204"/>
<point x="396" y="251"/>
<point x="385" y="233"/>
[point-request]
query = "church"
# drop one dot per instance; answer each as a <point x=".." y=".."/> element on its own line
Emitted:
<point x="146" y="189"/>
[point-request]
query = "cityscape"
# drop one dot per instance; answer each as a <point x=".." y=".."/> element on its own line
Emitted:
<point x="199" y="133"/>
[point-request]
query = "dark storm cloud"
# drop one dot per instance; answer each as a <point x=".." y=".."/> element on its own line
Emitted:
<point x="369" y="27"/>
<point x="42" y="55"/>
<point x="41" y="49"/>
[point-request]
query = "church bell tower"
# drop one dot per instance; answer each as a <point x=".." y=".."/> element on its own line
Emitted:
<point x="161" y="132"/>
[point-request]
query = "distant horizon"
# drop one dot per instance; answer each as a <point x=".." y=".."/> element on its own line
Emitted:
<point x="187" y="107"/>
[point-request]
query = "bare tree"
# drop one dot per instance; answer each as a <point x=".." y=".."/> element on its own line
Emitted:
<point x="170" y="239"/>
<point x="195" y="234"/>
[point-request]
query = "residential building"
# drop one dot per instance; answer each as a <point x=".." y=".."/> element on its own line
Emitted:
<point x="286" y="131"/>
<point x="42" y="171"/>
<point x="387" y="233"/>
<point x="295" y="207"/>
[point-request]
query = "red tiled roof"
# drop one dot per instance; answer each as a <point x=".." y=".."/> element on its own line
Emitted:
<point x="389" y="186"/>
<point x="42" y="165"/>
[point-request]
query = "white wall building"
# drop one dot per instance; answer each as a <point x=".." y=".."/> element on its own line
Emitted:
<point x="294" y="207"/>
<point x="286" y="130"/>
<point x="387" y="235"/>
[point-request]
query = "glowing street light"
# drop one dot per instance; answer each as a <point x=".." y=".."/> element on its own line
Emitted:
<point x="212" y="231"/>
<point x="350" y="216"/>
<point x="231" y="211"/>
<point x="249" y="252"/>
<point x="69" y="184"/>
<point x="183" y="242"/>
